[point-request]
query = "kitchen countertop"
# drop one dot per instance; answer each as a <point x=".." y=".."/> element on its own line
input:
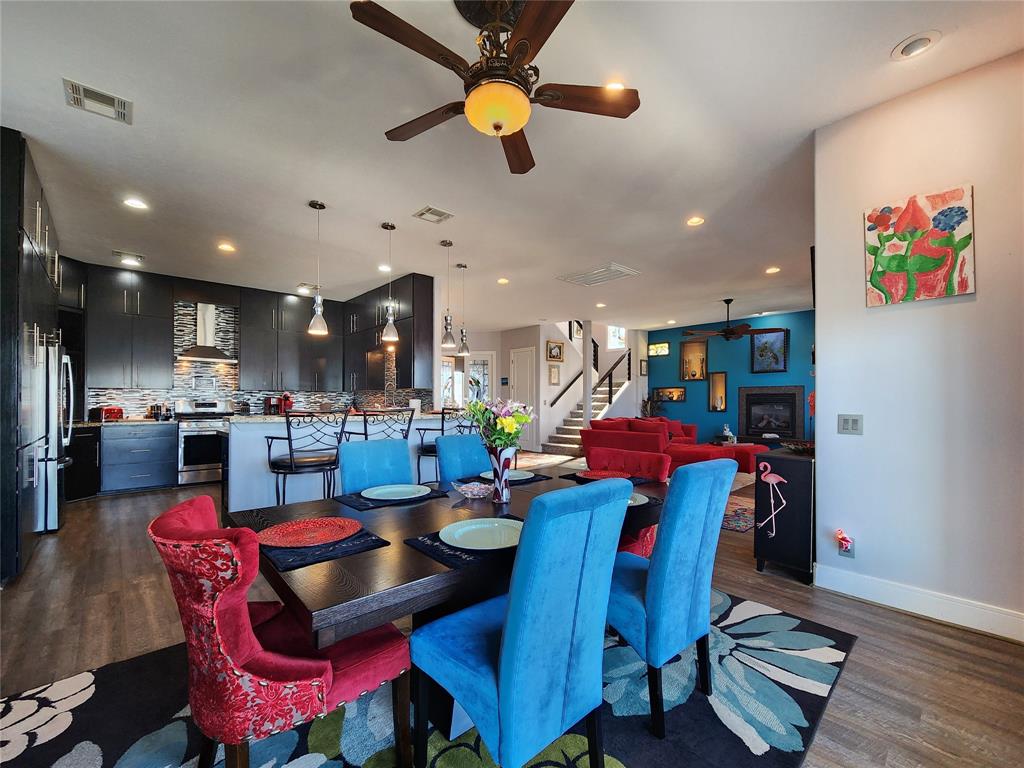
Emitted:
<point x="262" y="419"/>
<point x="120" y="422"/>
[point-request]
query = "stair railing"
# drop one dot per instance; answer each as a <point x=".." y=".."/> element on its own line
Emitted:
<point x="626" y="356"/>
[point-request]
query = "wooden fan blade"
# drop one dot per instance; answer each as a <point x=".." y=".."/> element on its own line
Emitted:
<point x="588" y="98"/>
<point x="533" y="28"/>
<point x="517" y="152"/>
<point x="751" y="331"/>
<point x="702" y="333"/>
<point x="418" y="125"/>
<point x="740" y="329"/>
<point x="382" y="20"/>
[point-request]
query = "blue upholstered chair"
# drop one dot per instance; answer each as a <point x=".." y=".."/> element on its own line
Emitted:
<point x="367" y="463"/>
<point x="663" y="605"/>
<point x="526" y="666"/>
<point x="460" y="456"/>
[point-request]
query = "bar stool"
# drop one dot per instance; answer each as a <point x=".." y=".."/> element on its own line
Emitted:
<point x="454" y="421"/>
<point x="383" y="424"/>
<point x="313" y="440"/>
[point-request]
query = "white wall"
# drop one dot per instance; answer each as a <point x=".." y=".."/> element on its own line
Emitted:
<point x="933" y="492"/>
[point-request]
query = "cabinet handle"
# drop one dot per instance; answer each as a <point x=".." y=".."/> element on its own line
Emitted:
<point x="58" y="272"/>
<point x="39" y="221"/>
<point x="97" y="454"/>
<point x="138" y="303"/>
<point x="273" y="319"/>
<point x="126" y="301"/>
<point x="81" y="296"/>
<point x="135" y="476"/>
<point x="139" y="450"/>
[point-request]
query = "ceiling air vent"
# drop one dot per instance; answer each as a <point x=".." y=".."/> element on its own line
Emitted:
<point x="599" y="275"/>
<point x="433" y="215"/>
<point x="99" y="103"/>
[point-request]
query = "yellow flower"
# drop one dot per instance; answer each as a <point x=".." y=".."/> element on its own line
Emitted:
<point x="507" y="424"/>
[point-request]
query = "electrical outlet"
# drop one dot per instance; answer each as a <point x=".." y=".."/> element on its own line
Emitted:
<point x="851" y="424"/>
<point x="848" y="552"/>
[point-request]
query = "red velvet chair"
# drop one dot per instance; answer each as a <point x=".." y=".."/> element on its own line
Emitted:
<point x="253" y="670"/>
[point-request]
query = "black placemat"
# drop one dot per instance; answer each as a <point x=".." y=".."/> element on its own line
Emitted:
<point x="652" y="501"/>
<point x="290" y="558"/>
<point x="537" y="478"/>
<point x="430" y="544"/>
<point x="363" y="504"/>
<point x="583" y="480"/>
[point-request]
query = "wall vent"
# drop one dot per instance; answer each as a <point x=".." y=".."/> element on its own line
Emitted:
<point x="99" y="103"/>
<point x="433" y="215"/>
<point x="599" y="275"/>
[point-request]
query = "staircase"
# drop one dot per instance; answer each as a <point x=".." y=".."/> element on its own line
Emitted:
<point x="566" y="441"/>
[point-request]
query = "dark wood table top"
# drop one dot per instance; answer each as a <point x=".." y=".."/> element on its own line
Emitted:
<point x="342" y="597"/>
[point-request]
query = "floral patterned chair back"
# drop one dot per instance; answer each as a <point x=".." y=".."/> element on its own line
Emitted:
<point x="237" y="690"/>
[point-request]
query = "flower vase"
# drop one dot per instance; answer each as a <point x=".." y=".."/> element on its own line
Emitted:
<point x="501" y="463"/>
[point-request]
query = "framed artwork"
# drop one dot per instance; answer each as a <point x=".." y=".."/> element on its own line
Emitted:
<point x="769" y="351"/>
<point x="693" y="360"/>
<point x="554" y="375"/>
<point x="643" y="366"/>
<point x="669" y="394"/>
<point x="658" y="349"/>
<point x="920" y="248"/>
<point x="555" y="351"/>
<point x="575" y="330"/>
<point x="717" y="392"/>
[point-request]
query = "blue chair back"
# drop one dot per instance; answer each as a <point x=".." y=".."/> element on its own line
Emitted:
<point x="460" y="456"/>
<point x="367" y="463"/>
<point x="678" y="598"/>
<point x="549" y="673"/>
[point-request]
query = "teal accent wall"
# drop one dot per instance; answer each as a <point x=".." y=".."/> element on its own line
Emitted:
<point x="733" y="357"/>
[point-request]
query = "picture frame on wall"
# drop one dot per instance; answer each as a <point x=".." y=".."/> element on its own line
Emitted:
<point x="668" y="394"/>
<point x="658" y="349"/>
<point x="769" y="351"/>
<point x="554" y="351"/>
<point x="643" y="366"/>
<point x="575" y="330"/>
<point x="554" y="375"/>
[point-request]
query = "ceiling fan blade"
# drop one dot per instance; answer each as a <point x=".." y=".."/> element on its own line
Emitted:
<point x="418" y="125"/>
<point x="588" y="98"/>
<point x="702" y="333"/>
<point x="741" y="328"/>
<point x="533" y="28"/>
<point x="382" y="20"/>
<point x="752" y="331"/>
<point x="517" y="152"/>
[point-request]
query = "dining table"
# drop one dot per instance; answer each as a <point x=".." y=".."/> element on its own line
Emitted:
<point x="348" y="595"/>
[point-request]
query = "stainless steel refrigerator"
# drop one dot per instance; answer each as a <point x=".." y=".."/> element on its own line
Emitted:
<point x="60" y="405"/>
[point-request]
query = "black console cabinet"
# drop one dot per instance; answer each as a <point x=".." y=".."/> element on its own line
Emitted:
<point x="784" y="512"/>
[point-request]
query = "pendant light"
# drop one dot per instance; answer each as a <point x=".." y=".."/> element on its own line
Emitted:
<point x="463" y="350"/>
<point x="390" y="331"/>
<point x="448" y="340"/>
<point x="317" y="325"/>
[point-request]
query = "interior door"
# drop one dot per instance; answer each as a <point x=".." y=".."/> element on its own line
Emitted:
<point x="523" y="389"/>
<point x="480" y="376"/>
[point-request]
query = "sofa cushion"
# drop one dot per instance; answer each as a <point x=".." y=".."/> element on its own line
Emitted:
<point x="625" y="440"/>
<point x="637" y="463"/>
<point x="614" y="425"/>
<point x="642" y="425"/>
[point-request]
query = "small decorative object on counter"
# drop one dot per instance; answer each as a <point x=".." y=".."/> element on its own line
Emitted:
<point x="727" y="435"/>
<point x="501" y="424"/>
<point x="287" y="403"/>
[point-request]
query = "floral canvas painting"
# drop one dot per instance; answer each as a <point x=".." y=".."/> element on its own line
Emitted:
<point x="922" y="248"/>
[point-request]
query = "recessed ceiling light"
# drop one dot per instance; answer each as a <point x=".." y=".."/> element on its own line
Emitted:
<point x="671" y="322"/>
<point x="130" y="259"/>
<point x="134" y="202"/>
<point x="915" y="45"/>
<point x="773" y="270"/>
<point x="615" y="86"/>
<point x="599" y="305"/>
<point x="226" y="247"/>
<point x="383" y="268"/>
<point x="502" y="281"/>
<point x="694" y="221"/>
<point x="304" y="288"/>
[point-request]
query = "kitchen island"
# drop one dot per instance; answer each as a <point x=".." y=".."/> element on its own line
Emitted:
<point x="250" y="483"/>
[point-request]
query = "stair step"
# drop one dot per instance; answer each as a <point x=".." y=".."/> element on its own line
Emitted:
<point x="562" y="450"/>
<point x="573" y="423"/>
<point x="569" y="429"/>
<point x="567" y="439"/>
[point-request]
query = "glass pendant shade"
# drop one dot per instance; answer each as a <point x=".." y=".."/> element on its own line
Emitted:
<point x="390" y="331"/>
<point x="448" y="340"/>
<point x="464" y="346"/>
<point x="497" y="109"/>
<point x="317" y="326"/>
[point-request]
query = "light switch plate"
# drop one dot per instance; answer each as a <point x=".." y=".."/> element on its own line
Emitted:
<point x="851" y="424"/>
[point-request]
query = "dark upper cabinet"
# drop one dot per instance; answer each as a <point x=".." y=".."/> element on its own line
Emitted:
<point x="356" y="347"/>
<point x="404" y="358"/>
<point x="200" y="291"/>
<point x="257" y="358"/>
<point x="290" y="375"/>
<point x="294" y="312"/>
<point x="71" y="283"/>
<point x="108" y="349"/>
<point x="257" y="309"/>
<point x="107" y="290"/>
<point x="402" y="296"/>
<point x="154" y="295"/>
<point x="152" y="352"/>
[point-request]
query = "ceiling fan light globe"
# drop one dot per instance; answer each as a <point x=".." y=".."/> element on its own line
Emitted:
<point x="496" y="108"/>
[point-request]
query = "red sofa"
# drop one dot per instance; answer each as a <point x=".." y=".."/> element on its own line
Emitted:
<point x="637" y="463"/>
<point x="675" y="431"/>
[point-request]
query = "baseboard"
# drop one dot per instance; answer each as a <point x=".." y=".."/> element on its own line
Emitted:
<point x="990" y="619"/>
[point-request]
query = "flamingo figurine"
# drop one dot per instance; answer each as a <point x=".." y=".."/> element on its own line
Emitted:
<point x="773" y="481"/>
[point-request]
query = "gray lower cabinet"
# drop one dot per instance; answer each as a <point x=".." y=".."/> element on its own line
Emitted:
<point x="134" y="456"/>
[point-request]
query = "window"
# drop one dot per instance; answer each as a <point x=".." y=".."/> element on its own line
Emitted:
<point x="616" y="337"/>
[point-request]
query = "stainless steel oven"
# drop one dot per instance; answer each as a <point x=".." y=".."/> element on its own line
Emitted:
<point x="201" y="432"/>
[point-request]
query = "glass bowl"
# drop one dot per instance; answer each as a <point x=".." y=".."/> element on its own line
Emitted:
<point x="474" y="490"/>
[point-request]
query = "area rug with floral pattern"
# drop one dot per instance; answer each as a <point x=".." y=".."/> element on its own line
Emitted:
<point x="738" y="517"/>
<point x="772" y="676"/>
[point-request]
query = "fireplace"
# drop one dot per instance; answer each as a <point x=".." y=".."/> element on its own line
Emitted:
<point x="771" y="411"/>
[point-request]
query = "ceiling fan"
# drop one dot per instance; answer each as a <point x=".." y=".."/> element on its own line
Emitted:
<point x="731" y="332"/>
<point x="502" y="85"/>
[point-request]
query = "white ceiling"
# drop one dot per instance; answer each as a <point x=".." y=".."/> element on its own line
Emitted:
<point x="244" y="111"/>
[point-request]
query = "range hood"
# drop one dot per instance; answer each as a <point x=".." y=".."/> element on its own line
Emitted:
<point x="205" y="349"/>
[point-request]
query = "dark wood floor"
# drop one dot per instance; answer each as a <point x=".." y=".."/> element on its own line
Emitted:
<point x="914" y="693"/>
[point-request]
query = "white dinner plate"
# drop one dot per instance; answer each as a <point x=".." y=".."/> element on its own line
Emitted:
<point x="513" y="474"/>
<point x="637" y="499"/>
<point x="482" y="533"/>
<point x="395" y="492"/>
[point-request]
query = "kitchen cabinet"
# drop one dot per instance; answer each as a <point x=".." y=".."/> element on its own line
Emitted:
<point x="257" y="358"/>
<point x="401" y="296"/>
<point x="82" y="475"/>
<point x="294" y="313"/>
<point x="152" y="352"/>
<point x="203" y="292"/>
<point x="128" y="292"/>
<point x="71" y="281"/>
<point x="355" y="350"/>
<point x="289" y="354"/>
<point x="257" y="309"/>
<point x="129" y="351"/>
<point x="375" y="367"/>
<point x="154" y="295"/>
<point x="138" y="457"/>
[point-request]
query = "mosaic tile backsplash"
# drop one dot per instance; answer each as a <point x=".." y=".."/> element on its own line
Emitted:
<point x="195" y="380"/>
